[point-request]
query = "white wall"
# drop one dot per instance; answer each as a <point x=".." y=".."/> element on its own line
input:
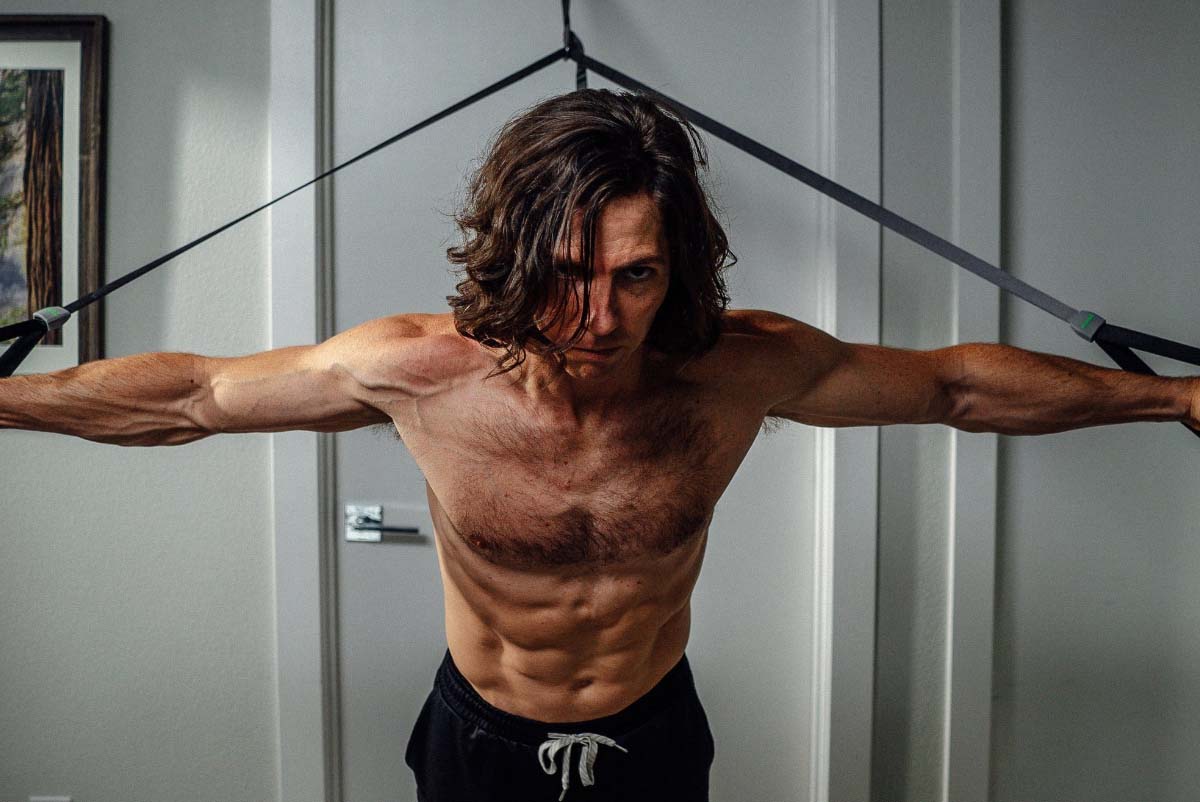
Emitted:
<point x="136" y="635"/>
<point x="1095" y="694"/>
<point x="136" y="592"/>
<point x="1098" y="609"/>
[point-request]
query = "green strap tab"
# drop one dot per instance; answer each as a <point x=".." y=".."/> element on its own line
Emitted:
<point x="1086" y="324"/>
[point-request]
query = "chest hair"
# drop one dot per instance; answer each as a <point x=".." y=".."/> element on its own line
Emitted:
<point x="641" y="487"/>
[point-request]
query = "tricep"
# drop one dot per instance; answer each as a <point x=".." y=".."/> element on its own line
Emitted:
<point x="812" y="377"/>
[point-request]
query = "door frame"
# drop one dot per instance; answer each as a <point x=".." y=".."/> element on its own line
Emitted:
<point x="303" y="497"/>
<point x="974" y="457"/>
<point x="305" y="527"/>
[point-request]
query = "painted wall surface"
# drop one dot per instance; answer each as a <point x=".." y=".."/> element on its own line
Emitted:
<point x="1095" y="656"/>
<point x="136" y="643"/>
<point x="136" y="593"/>
<point x="1097" y="660"/>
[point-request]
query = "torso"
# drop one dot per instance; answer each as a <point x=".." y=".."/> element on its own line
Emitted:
<point x="569" y="552"/>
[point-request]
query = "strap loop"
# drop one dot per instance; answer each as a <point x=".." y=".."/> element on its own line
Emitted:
<point x="53" y="316"/>
<point x="1128" y="338"/>
<point x="573" y="47"/>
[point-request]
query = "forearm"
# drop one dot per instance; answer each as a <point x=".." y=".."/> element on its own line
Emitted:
<point x="139" y="400"/>
<point x="1009" y="390"/>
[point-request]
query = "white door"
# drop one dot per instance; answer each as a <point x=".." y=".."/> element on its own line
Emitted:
<point x="756" y="609"/>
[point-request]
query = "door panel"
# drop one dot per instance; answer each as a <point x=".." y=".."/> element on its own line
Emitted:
<point x="397" y="62"/>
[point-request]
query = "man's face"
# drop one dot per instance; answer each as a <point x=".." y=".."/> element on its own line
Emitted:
<point x="630" y="279"/>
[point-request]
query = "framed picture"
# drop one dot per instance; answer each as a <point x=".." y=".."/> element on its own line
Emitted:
<point x="52" y="113"/>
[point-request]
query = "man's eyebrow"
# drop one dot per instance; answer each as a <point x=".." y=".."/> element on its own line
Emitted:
<point x="647" y="259"/>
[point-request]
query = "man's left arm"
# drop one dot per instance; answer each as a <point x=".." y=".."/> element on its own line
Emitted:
<point x="814" y="378"/>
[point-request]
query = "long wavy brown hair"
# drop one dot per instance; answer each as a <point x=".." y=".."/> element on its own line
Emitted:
<point x="555" y="165"/>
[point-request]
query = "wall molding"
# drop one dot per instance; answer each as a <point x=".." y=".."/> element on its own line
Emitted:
<point x="325" y="325"/>
<point x="847" y="493"/>
<point x="971" y="557"/>
<point x="308" y="749"/>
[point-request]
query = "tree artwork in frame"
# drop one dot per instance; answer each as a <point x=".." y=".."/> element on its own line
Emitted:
<point x="52" y="108"/>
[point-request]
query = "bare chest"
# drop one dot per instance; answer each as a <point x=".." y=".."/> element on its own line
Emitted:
<point x="525" y="493"/>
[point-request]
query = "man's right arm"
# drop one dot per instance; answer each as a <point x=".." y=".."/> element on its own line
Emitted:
<point x="150" y="399"/>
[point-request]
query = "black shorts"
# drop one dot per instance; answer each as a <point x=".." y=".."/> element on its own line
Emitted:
<point x="463" y="749"/>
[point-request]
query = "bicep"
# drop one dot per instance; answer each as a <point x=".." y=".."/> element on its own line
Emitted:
<point x="340" y="384"/>
<point x="823" y="381"/>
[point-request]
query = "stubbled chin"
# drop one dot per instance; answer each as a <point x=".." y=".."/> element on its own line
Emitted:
<point x="588" y="370"/>
<point x="580" y="369"/>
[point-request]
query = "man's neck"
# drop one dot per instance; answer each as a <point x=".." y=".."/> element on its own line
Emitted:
<point x="583" y="391"/>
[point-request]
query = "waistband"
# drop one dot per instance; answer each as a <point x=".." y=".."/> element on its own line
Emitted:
<point x="459" y="694"/>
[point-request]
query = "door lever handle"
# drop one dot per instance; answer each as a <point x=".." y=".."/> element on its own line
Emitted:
<point x="364" y="524"/>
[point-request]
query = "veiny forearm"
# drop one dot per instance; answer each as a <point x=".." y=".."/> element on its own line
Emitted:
<point x="1013" y="391"/>
<point x="140" y="400"/>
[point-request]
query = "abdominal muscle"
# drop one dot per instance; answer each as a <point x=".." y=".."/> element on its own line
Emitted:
<point x="565" y="644"/>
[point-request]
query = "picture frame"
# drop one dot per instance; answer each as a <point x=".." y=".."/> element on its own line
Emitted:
<point x="53" y="103"/>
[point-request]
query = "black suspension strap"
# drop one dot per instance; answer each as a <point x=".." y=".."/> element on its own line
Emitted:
<point x="30" y="332"/>
<point x="573" y="47"/>
<point x="1115" y="341"/>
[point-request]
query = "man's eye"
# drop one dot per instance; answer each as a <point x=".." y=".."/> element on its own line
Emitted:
<point x="640" y="273"/>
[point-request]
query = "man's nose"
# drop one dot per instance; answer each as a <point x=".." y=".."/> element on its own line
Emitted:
<point x="602" y="309"/>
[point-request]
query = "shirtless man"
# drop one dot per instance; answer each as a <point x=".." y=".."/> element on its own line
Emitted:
<point x="577" y="415"/>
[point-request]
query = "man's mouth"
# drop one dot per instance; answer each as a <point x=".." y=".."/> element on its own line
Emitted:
<point x="597" y="353"/>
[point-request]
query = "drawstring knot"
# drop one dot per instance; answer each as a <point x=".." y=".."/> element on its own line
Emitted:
<point x="587" y="756"/>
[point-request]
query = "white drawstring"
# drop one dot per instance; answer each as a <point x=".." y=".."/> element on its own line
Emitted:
<point x="587" y="756"/>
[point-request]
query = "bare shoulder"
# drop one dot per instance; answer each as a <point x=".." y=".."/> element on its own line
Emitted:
<point x="763" y="355"/>
<point x="765" y="326"/>
<point x="417" y="353"/>
<point x="751" y="336"/>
